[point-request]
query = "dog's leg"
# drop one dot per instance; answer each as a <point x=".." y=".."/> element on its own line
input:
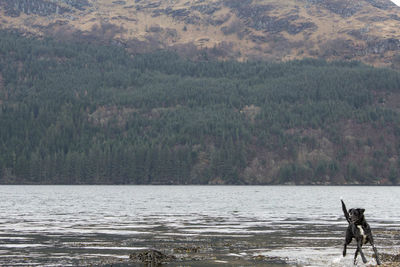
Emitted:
<point x="371" y="240"/>
<point x="349" y="237"/>
<point x="378" y="261"/>
<point x="359" y="245"/>
<point x="355" y="256"/>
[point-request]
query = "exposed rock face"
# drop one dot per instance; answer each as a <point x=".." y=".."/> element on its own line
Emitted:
<point x="383" y="45"/>
<point x="344" y="8"/>
<point x="276" y="25"/>
<point x="207" y="9"/>
<point x="42" y="8"/>
<point x="78" y="4"/>
<point x="382" y="4"/>
<point x="347" y="8"/>
<point x="141" y="6"/>
<point x="37" y="7"/>
<point x="395" y="17"/>
<point x="245" y="8"/>
<point x="256" y="17"/>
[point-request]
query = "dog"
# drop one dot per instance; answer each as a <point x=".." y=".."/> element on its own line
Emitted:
<point x="360" y="230"/>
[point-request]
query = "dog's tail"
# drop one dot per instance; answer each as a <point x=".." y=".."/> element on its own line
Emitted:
<point x="346" y="214"/>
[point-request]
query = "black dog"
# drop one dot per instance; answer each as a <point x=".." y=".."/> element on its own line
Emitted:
<point x="360" y="230"/>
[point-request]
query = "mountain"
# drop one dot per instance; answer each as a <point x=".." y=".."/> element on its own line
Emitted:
<point x="199" y="92"/>
<point x="365" y="30"/>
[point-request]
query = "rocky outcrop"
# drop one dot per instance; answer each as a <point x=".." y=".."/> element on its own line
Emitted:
<point x="37" y="7"/>
<point x="381" y="4"/>
<point x="395" y="17"/>
<point x="142" y="6"/>
<point x="207" y="9"/>
<point x="344" y="8"/>
<point x="276" y="25"/>
<point x="246" y="10"/>
<point x="347" y="8"/>
<point x="383" y="45"/>
<point x="256" y="17"/>
<point x="78" y="4"/>
<point x="151" y="257"/>
<point x="42" y="8"/>
<point x="346" y="49"/>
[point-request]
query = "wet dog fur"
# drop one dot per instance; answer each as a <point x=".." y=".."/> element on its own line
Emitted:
<point x="360" y="230"/>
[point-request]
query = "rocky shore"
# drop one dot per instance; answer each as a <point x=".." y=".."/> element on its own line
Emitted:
<point x="195" y="256"/>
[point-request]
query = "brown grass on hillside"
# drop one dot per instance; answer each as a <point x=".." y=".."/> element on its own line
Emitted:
<point x="268" y="29"/>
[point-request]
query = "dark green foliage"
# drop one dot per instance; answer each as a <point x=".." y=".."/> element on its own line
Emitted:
<point x="85" y="114"/>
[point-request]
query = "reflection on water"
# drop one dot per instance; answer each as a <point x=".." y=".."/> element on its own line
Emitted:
<point x="75" y="225"/>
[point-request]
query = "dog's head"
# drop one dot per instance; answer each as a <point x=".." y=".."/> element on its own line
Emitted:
<point x="356" y="215"/>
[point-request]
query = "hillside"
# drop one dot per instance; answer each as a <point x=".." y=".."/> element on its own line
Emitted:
<point x="94" y="114"/>
<point x="366" y="30"/>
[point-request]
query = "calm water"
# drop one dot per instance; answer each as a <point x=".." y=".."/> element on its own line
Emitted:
<point x="80" y="225"/>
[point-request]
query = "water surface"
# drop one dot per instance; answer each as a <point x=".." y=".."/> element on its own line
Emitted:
<point x="81" y="225"/>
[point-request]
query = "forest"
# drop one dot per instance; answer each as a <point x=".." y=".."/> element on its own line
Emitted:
<point x="86" y="113"/>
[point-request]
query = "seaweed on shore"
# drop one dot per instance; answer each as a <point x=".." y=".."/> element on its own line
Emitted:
<point x="151" y="256"/>
<point x="390" y="260"/>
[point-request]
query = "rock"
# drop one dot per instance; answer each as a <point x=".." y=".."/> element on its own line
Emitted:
<point x="151" y="256"/>
<point x="147" y="6"/>
<point x="207" y="9"/>
<point x="381" y="4"/>
<point x="38" y="7"/>
<point x="395" y="17"/>
<point x="383" y="45"/>
<point x="78" y="4"/>
<point x="344" y="8"/>
<point x="256" y="17"/>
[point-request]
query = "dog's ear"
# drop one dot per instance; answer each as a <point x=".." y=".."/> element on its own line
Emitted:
<point x="361" y="211"/>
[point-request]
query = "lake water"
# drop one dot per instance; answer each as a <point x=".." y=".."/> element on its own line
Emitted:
<point x="243" y="225"/>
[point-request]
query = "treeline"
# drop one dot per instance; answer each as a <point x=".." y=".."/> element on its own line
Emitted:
<point x="76" y="113"/>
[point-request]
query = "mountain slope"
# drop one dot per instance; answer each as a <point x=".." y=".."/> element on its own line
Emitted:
<point x="366" y="30"/>
<point x="85" y="113"/>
